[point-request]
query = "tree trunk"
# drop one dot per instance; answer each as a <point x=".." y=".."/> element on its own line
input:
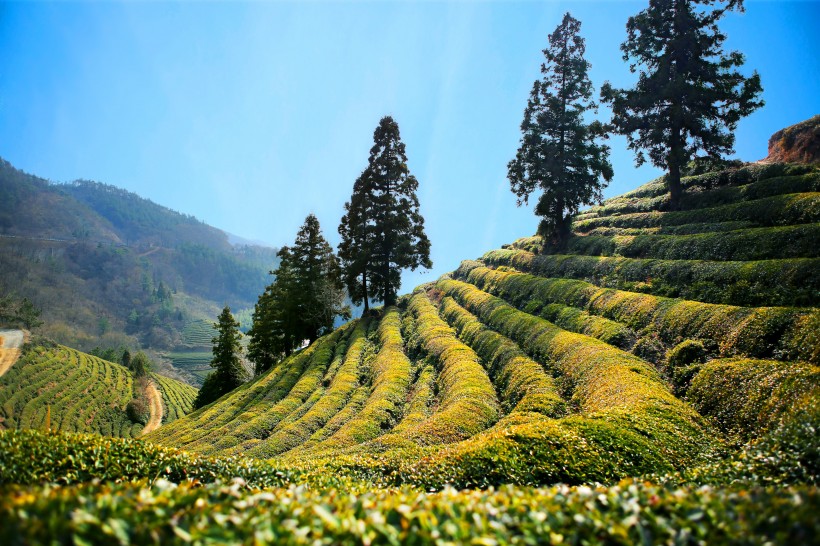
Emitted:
<point x="364" y="291"/>
<point x="675" y="188"/>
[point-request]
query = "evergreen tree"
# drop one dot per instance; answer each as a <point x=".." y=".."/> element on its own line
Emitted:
<point x="319" y="291"/>
<point x="140" y="364"/>
<point x="383" y="230"/>
<point x="357" y="238"/>
<point x="559" y="154"/>
<point x="689" y="96"/>
<point x="273" y="333"/>
<point x="228" y="373"/>
<point x="29" y="315"/>
<point x="302" y="302"/>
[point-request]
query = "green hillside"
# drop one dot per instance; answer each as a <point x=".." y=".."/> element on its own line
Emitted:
<point x="69" y="391"/>
<point x="613" y="359"/>
<point x="110" y="268"/>
<point x="625" y="391"/>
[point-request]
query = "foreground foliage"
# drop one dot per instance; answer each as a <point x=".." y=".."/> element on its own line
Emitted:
<point x="629" y="513"/>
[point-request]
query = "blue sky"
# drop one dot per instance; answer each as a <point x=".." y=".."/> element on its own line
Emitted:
<point x="252" y="115"/>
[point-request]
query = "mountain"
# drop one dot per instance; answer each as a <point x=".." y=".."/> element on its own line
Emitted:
<point x="110" y="268"/>
<point x="653" y="338"/>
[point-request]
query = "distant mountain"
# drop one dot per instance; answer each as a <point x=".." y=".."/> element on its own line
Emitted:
<point x="109" y="267"/>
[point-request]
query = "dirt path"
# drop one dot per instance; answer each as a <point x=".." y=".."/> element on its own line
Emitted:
<point x="10" y="343"/>
<point x="155" y="400"/>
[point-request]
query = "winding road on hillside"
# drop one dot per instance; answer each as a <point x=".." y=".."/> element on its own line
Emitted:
<point x="155" y="401"/>
<point x="10" y="343"/>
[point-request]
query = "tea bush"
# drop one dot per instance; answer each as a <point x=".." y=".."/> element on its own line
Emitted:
<point x="767" y="282"/>
<point x="751" y="397"/>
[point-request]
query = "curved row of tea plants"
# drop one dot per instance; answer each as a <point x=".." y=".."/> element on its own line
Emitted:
<point x="58" y="388"/>
<point x="754" y="283"/>
<point x="733" y="330"/>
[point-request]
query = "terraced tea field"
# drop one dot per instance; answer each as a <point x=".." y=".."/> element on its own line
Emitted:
<point x="65" y="390"/>
<point x="577" y="367"/>
<point x="656" y="382"/>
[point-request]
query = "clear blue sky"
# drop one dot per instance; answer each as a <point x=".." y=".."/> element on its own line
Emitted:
<point x="252" y="115"/>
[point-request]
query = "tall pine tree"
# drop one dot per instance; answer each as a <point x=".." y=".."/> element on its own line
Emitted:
<point x="689" y="96"/>
<point x="318" y="282"/>
<point x="559" y="153"/>
<point x="272" y="334"/>
<point x="382" y="229"/>
<point x="229" y="372"/>
<point x="302" y="302"/>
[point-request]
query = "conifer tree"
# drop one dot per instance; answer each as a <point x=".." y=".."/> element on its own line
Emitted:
<point x="319" y="291"/>
<point x="228" y="371"/>
<point x="559" y="154"/>
<point x="303" y="300"/>
<point x="383" y="230"/>
<point x="689" y="96"/>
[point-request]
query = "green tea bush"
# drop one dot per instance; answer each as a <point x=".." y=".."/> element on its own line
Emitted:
<point x="766" y="282"/>
<point x="30" y="457"/>
<point x="606" y="380"/>
<point x="798" y="241"/>
<point x="81" y="392"/>
<point x="330" y="402"/>
<point x="747" y="398"/>
<point x="523" y="384"/>
<point x="778" y="210"/>
<point x="390" y="383"/>
<point x="177" y="397"/>
<point x="754" y="332"/>
<point x="625" y="514"/>
<point x="467" y="399"/>
<point x="713" y="189"/>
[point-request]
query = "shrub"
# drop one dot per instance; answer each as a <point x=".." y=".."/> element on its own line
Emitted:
<point x="623" y="389"/>
<point x="138" y="410"/>
<point x="747" y="398"/>
<point x="523" y="384"/>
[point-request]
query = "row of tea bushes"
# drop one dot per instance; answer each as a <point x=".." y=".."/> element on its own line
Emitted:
<point x="714" y="189"/>
<point x="258" y="423"/>
<point x="777" y="210"/>
<point x="58" y="388"/>
<point x="341" y="386"/>
<point x="757" y="283"/>
<point x="749" y="398"/>
<point x="753" y="332"/>
<point x="523" y="384"/>
<point x="389" y="380"/>
<point x="467" y="400"/>
<point x="796" y="241"/>
<point x="606" y="381"/>
<point x="197" y="430"/>
<point x="625" y="514"/>
<point x="177" y="397"/>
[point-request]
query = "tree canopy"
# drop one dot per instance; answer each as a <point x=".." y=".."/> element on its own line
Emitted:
<point x="302" y="302"/>
<point x="559" y="153"/>
<point x="228" y="371"/>
<point x="382" y="229"/>
<point x="689" y="95"/>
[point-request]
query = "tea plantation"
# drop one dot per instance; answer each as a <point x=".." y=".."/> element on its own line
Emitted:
<point x="61" y="389"/>
<point x="657" y="383"/>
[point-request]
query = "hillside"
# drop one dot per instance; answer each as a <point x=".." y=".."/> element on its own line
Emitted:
<point x="61" y="389"/>
<point x="657" y="382"/>
<point x="654" y="339"/>
<point x="110" y="268"/>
